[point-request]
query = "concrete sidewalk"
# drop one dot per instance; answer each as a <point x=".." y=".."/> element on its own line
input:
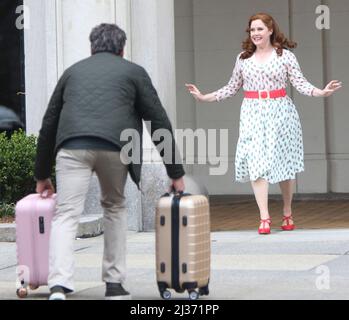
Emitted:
<point x="303" y="264"/>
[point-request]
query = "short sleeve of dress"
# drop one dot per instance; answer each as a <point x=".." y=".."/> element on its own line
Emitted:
<point x="234" y="84"/>
<point x="296" y="76"/>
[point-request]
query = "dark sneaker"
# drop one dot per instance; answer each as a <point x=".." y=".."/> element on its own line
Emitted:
<point x="115" y="291"/>
<point x="58" y="293"/>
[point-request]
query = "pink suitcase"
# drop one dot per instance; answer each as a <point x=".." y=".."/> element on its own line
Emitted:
<point x="33" y="225"/>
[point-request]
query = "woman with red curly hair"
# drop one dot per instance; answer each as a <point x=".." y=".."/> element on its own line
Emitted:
<point x="270" y="145"/>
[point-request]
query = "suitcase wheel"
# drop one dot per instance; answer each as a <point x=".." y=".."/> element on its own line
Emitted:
<point x="193" y="295"/>
<point x="32" y="287"/>
<point x="204" y="291"/>
<point x="166" y="295"/>
<point x="22" y="293"/>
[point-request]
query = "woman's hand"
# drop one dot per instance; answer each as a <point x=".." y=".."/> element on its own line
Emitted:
<point x="195" y="92"/>
<point x="333" y="86"/>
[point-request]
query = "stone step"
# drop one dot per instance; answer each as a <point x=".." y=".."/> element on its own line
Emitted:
<point x="89" y="226"/>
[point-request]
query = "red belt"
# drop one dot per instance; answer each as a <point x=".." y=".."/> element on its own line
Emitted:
<point x="265" y="94"/>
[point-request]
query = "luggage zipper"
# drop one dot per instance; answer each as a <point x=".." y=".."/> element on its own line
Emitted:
<point x="175" y="242"/>
<point x="36" y="242"/>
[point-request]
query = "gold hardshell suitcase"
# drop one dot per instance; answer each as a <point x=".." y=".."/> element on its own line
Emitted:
<point x="183" y="244"/>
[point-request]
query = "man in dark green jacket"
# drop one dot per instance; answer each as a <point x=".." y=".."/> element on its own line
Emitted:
<point x="94" y="102"/>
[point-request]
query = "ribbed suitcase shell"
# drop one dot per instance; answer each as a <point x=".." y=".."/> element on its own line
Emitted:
<point x="194" y="247"/>
<point x="33" y="225"/>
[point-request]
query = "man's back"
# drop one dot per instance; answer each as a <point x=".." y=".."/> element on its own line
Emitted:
<point x="99" y="96"/>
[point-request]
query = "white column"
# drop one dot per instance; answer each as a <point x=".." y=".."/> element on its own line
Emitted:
<point x="153" y="47"/>
<point x="133" y="195"/>
<point x="57" y="37"/>
<point x="76" y="19"/>
<point x="123" y="20"/>
<point x="40" y="59"/>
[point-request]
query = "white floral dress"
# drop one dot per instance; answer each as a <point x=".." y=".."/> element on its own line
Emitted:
<point x="270" y="142"/>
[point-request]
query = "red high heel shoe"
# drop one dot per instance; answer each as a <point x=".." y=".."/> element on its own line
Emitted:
<point x="264" y="229"/>
<point x="288" y="226"/>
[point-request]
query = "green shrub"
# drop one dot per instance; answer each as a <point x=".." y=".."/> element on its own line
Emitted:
<point x="7" y="210"/>
<point x="17" y="160"/>
<point x="17" y="157"/>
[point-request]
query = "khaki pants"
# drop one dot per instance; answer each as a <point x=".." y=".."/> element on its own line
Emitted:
<point x="74" y="169"/>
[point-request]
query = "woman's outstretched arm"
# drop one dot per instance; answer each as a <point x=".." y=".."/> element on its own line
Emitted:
<point x="331" y="87"/>
<point x="235" y="83"/>
<point x="302" y="85"/>
<point x="209" y="97"/>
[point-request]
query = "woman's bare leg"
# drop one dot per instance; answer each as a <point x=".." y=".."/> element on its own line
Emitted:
<point x="260" y="189"/>
<point x="287" y="188"/>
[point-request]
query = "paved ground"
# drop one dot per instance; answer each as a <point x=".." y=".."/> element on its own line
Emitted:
<point x="303" y="264"/>
<point x="232" y="213"/>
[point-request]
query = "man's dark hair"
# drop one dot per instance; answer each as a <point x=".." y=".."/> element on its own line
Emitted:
<point x="107" y="38"/>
